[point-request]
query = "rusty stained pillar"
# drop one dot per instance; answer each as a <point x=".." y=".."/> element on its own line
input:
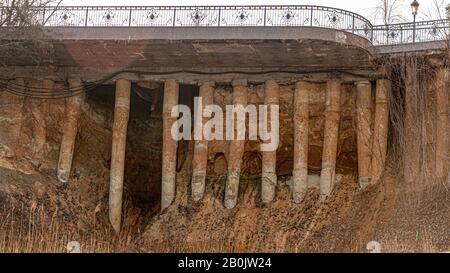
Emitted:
<point x="380" y="129"/>
<point x="363" y="121"/>
<point x="169" y="152"/>
<point x="412" y="129"/>
<point x="15" y="103"/>
<point x="301" y="141"/>
<point x="332" y="119"/>
<point x="200" y="159"/>
<point x="119" y="141"/>
<point x="428" y="126"/>
<point x="235" y="149"/>
<point x="442" y="133"/>
<point x="269" y="159"/>
<point x="73" y="110"/>
<point x="39" y="111"/>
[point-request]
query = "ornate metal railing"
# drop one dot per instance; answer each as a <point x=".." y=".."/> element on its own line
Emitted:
<point x="239" y="16"/>
<point x="208" y="16"/>
<point x="427" y="31"/>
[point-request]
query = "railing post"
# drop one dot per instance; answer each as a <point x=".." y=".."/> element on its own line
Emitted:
<point x="129" y="17"/>
<point x="265" y="16"/>
<point x="372" y="33"/>
<point x="219" y="18"/>
<point x="353" y="24"/>
<point x="43" y="16"/>
<point x="312" y="15"/>
<point x="174" y="16"/>
<point x="387" y="35"/>
<point x="401" y="34"/>
<point x="87" y="16"/>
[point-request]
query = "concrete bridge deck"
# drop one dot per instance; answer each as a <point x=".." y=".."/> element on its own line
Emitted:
<point x="303" y="38"/>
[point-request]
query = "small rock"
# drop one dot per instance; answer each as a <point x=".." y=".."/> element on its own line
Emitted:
<point x="373" y="247"/>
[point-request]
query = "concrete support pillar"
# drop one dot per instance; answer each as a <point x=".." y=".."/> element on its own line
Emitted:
<point x="269" y="159"/>
<point x="381" y="128"/>
<point x="412" y="128"/>
<point x="16" y="103"/>
<point x="442" y="134"/>
<point x="73" y="110"/>
<point x="332" y="118"/>
<point x="119" y="141"/>
<point x="200" y="159"/>
<point x="301" y="141"/>
<point x="11" y="107"/>
<point x="236" y="150"/>
<point x="169" y="152"/>
<point x="39" y="112"/>
<point x="363" y="121"/>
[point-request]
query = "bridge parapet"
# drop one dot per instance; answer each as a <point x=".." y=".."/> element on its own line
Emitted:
<point x="238" y="16"/>
<point x="205" y="16"/>
<point x="420" y="32"/>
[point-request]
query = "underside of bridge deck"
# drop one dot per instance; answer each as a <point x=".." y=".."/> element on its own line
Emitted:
<point x="104" y="51"/>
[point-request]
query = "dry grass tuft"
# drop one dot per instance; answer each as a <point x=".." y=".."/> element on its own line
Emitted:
<point x="32" y="230"/>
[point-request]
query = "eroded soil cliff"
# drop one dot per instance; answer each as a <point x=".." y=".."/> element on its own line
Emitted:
<point x="41" y="214"/>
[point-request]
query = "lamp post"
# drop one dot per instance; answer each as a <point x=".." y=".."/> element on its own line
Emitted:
<point x="415" y="9"/>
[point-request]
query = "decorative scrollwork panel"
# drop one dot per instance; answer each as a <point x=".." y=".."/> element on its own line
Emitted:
<point x="196" y="17"/>
<point x="66" y="17"/>
<point x="152" y="16"/>
<point x="108" y="17"/>
<point x="290" y="16"/>
<point x="242" y="16"/>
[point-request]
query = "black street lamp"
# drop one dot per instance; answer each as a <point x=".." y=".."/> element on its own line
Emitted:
<point x="415" y="9"/>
